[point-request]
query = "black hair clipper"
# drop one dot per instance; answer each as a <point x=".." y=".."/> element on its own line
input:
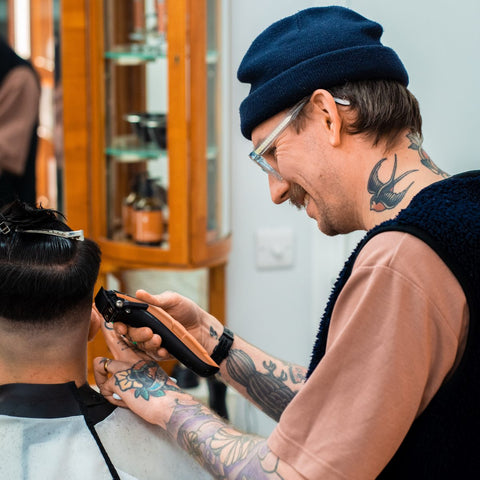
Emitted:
<point x="119" y="307"/>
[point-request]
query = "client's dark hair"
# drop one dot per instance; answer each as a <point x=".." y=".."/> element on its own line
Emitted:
<point x="43" y="276"/>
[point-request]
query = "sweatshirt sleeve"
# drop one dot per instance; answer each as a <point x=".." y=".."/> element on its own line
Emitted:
<point x="396" y="332"/>
<point x="19" y="104"/>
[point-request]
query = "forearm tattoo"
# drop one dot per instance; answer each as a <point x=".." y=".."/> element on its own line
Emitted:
<point x="220" y="449"/>
<point x="426" y="161"/>
<point x="271" y="390"/>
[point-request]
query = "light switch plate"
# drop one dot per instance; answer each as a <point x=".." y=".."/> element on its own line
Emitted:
<point x="274" y="248"/>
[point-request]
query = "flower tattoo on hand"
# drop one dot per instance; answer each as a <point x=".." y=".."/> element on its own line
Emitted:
<point x="146" y="379"/>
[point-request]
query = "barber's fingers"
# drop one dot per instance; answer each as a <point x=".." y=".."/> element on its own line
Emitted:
<point x="164" y="300"/>
<point x="143" y="339"/>
<point x="117" y="344"/>
<point x="95" y="313"/>
<point x="120" y="328"/>
<point x="103" y="370"/>
<point x="139" y="335"/>
<point x="148" y="297"/>
<point x="181" y="308"/>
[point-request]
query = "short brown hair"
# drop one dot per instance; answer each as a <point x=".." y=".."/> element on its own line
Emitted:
<point x="384" y="109"/>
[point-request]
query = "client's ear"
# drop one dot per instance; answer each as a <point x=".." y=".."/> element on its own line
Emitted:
<point x="96" y="320"/>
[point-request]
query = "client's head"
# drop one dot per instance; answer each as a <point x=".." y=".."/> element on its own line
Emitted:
<point x="47" y="278"/>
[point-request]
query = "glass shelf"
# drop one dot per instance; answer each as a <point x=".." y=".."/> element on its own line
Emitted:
<point x="126" y="148"/>
<point x="135" y="54"/>
<point x="212" y="57"/>
<point x="212" y="153"/>
<point x="119" y="236"/>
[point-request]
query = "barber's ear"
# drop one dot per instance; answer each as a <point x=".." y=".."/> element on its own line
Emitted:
<point x="327" y="110"/>
<point x="96" y="320"/>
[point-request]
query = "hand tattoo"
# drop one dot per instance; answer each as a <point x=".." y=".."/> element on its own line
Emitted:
<point x="213" y="333"/>
<point x="108" y="325"/>
<point x="145" y="379"/>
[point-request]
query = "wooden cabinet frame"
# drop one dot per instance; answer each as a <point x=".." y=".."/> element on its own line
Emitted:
<point x="85" y="171"/>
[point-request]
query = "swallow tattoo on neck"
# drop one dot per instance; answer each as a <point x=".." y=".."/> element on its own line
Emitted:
<point x="383" y="196"/>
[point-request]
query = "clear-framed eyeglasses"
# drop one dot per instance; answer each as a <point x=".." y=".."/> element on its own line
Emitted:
<point x="257" y="154"/>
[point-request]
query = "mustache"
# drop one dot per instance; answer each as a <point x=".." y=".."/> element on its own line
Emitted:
<point x="297" y="196"/>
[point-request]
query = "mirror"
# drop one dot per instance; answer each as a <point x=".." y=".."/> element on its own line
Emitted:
<point x="33" y="31"/>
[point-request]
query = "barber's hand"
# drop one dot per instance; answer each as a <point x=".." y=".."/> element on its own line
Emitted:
<point x="204" y="327"/>
<point x="141" y="386"/>
<point x="120" y="347"/>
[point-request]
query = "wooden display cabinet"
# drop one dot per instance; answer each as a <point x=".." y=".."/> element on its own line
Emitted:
<point x="113" y="61"/>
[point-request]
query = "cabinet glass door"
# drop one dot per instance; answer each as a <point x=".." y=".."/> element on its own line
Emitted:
<point x="164" y="180"/>
<point x="218" y="173"/>
<point x="136" y="110"/>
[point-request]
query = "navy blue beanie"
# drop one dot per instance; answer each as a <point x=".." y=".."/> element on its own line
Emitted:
<point x="319" y="47"/>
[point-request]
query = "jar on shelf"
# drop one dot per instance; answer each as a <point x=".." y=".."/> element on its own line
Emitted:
<point x="156" y="127"/>
<point x="148" y="221"/>
<point x="128" y="203"/>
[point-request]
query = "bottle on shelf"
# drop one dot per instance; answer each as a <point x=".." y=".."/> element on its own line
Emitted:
<point x="161" y="193"/>
<point x="138" y="20"/>
<point x="129" y="202"/>
<point x="148" y="219"/>
<point x="161" y="12"/>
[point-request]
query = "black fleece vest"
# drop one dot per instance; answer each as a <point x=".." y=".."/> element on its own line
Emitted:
<point x="444" y="441"/>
